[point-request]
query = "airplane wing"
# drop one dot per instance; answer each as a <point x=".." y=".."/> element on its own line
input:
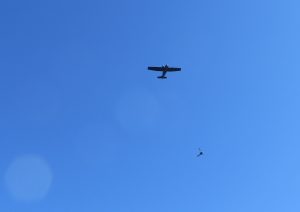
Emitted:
<point x="174" y="69"/>
<point x="152" y="68"/>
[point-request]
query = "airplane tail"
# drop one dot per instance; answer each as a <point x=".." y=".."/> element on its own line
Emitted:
<point x="161" y="77"/>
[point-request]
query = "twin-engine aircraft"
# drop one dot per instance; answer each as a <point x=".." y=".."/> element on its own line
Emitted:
<point x="164" y="70"/>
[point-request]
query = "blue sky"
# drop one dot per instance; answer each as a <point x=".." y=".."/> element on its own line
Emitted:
<point x="85" y="127"/>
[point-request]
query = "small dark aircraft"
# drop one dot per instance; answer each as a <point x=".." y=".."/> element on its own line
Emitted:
<point x="164" y="70"/>
<point x="200" y="153"/>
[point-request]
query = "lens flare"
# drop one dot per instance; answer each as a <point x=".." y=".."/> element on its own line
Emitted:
<point x="28" y="178"/>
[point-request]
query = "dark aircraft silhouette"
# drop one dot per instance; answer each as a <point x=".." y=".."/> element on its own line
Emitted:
<point x="164" y="70"/>
<point x="200" y="153"/>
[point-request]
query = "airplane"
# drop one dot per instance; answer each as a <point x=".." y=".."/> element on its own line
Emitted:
<point x="164" y="70"/>
<point x="200" y="153"/>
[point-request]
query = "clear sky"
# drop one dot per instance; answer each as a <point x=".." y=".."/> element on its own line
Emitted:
<point x="85" y="127"/>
